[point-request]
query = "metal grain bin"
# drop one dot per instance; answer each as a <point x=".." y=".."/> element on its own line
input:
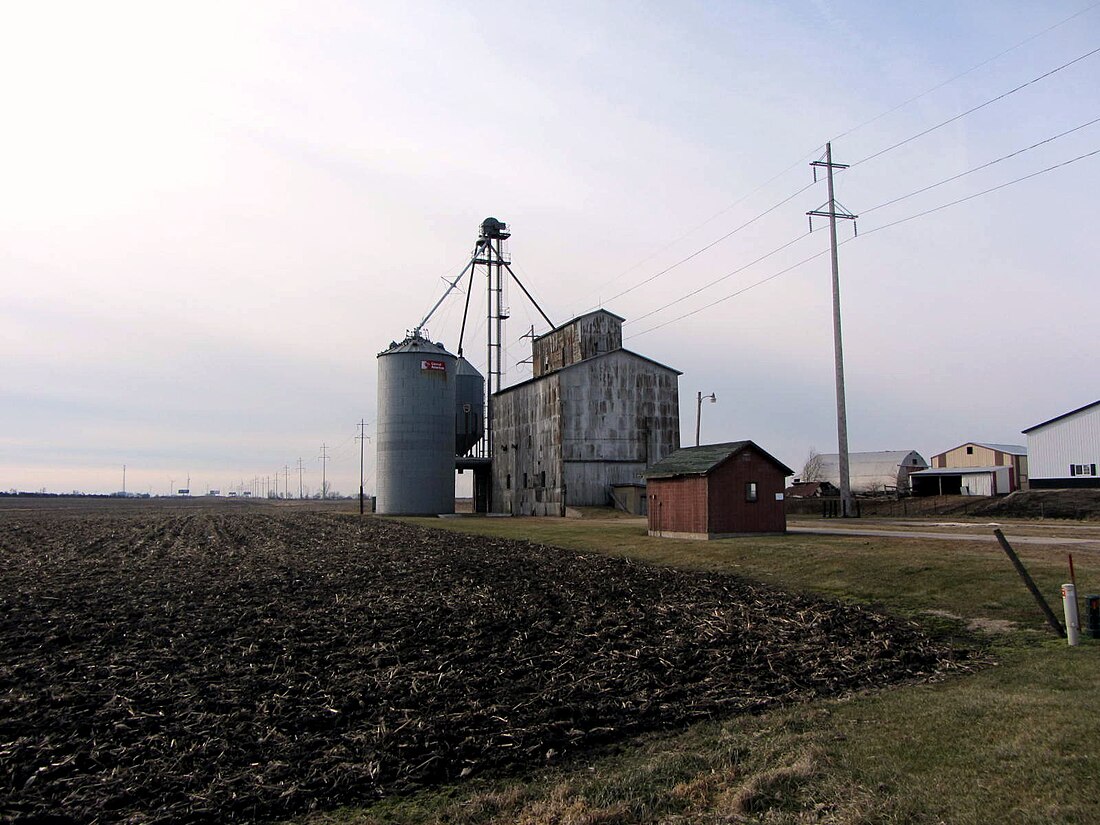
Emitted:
<point x="416" y="428"/>
<point x="469" y="407"/>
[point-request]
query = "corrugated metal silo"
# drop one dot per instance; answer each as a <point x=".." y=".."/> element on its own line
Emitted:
<point x="469" y="407"/>
<point x="416" y="428"/>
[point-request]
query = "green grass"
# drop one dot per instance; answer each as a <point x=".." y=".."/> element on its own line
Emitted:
<point x="1013" y="742"/>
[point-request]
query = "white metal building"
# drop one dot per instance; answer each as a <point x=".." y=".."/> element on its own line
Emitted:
<point x="1065" y="451"/>
<point x="875" y="472"/>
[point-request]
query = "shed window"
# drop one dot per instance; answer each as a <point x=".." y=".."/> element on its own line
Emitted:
<point x="970" y="451"/>
<point x="750" y="491"/>
<point x="542" y="478"/>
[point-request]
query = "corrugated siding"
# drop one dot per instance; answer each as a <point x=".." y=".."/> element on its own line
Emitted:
<point x="527" y="425"/>
<point x="1075" y="440"/>
<point x="602" y="422"/>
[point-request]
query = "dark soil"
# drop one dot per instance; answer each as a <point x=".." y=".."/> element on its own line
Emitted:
<point x="1059" y="504"/>
<point x="242" y="664"/>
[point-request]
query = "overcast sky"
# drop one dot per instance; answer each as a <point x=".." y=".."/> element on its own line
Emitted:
<point x="213" y="216"/>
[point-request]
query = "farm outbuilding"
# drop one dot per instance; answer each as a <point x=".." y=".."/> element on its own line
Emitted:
<point x="962" y="481"/>
<point x="594" y="416"/>
<point x="975" y="455"/>
<point x="717" y="491"/>
<point x="872" y="473"/>
<point x="1064" y="452"/>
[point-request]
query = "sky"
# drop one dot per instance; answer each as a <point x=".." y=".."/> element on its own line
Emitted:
<point x="214" y="216"/>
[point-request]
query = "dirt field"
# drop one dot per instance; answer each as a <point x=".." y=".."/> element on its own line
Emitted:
<point x="242" y="663"/>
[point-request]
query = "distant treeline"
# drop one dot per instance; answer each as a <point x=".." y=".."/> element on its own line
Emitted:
<point x="40" y="494"/>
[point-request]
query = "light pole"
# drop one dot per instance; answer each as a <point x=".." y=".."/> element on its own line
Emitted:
<point x="699" y="411"/>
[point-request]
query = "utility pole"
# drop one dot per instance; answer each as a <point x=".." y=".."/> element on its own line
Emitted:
<point x="299" y="476"/>
<point x="124" y="481"/>
<point x="363" y="439"/>
<point x="324" y="470"/>
<point x="831" y="212"/>
<point x="286" y="480"/>
<point x="699" y="411"/>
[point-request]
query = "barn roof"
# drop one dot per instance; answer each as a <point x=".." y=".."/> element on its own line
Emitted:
<point x="884" y="462"/>
<point x="585" y="362"/>
<point x="701" y="460"/>
<point x="1011" y="449"/>
<point x="1063" y="415"/>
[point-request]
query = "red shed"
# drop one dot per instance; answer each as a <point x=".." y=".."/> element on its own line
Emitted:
<point x="715" y="491"/>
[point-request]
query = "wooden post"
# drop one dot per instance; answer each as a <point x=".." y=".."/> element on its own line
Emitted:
<point x="1052" y="620"/>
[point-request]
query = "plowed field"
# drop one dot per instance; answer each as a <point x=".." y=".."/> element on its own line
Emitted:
<point x="245" y="663"/>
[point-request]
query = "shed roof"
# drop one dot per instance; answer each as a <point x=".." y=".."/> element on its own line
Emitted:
<point x="1063" y="415"/>
<point x="956" y="471"/>
<point x="703" y="459"/>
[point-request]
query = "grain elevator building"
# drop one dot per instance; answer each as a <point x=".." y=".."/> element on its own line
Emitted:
<point x="594" y="415"/>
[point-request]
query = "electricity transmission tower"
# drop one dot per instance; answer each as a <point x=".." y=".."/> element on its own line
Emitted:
<point x="324" y="470"/>
<point x="299" y="477"/>
<point x="832" y="210"/>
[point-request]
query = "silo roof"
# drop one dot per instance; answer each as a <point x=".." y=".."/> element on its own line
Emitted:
<point x="414" y="343"/>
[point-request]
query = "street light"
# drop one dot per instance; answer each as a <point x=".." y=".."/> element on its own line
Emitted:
<point x="699" y="411"/>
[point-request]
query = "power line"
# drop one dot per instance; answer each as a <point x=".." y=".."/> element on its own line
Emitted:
<point x="856" y="128"/>
<point x="716" y="281"/>
<point x="983" y="166"/>
<point x="741" y="291"/>
<point x="713" y="217"/>
<point x="865" y="233"/>
<point x="850" y="131"/>
<point x="976" y="108"/>
<point x="984" y="192"/>
<point x="713" y="243"/>
<point x="961" y="75"/>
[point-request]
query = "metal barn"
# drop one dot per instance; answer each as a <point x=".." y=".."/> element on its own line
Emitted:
<point x="873" y="473"/>
<point x="594" y="415"/>
<point x="716" y="491"/>
<point x="1065" y="451"/>
<point x="980" y="454"/>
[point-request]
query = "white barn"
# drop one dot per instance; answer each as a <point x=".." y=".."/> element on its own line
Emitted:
<point x="1065" y="451"/>
<point x="886" y="471"/>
